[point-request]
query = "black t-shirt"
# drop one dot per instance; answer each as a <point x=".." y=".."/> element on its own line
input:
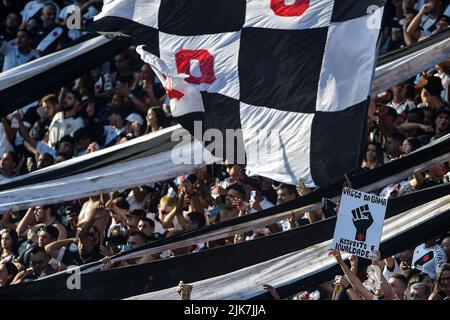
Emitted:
<point x="30" y="276"/>
<point x="140" y="93"/>
<point x="31" y="116"/>
<point x="94" y="255"/>
<point x="38" y="32"/>
<point x="124" y="79"/>
<point x="71" y="257"/>
<point x="57" y="37"/>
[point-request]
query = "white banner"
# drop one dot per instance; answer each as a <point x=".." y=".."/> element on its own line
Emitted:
<point x="360" y="223"/>
<point x="281" y="271"/>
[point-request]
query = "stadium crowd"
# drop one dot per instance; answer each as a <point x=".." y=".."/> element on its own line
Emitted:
<point x="122" y="99"/>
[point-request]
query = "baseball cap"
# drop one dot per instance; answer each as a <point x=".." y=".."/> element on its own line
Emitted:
<point x="134" y="117"/>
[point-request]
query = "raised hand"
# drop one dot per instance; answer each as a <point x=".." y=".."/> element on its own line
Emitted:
<point x="336" y="254"/>
<point x="272" y="291"/>
<point x="105" y="251"/>
<point x="427" y="7"/>
<point x="362" y="220"/>
<point x="341" y="280"/>
<point x="353" y="260"/>
<point x="376" y="258"/>
<point x="123" y="90"/>
<point x="18" y="115"/>
<point x="91" y="148"/>
<point x="241" y="205"/>
<point x="427" y="129"/>
<point x="184" y="96"/>
<point x="106" y="263"/>
<point x="216" y="190"/>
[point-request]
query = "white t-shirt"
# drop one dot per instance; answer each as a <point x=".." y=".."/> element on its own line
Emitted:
<point x="429" y="260"/>
<point x="15" y="124"/>
<point x="43" y="148"/>
<point x="134" y="204"/>
<point x="387" y="274"/>
<point x="445" y="84"/>
<point x="13" y="57"/>
<point x="447" y="11"/>
<point x="33" y="7"/>
<point x="428" y="25"/>
<point x="90" y="13"/>
<point x="176" y="223"/>
<point x="158" y="226"/>
<point x="264" y="204"/>
<point x="111" y="133"/>
<point x="402" y="106"/>
<point x="227" y="182"/>
<point x="5" y="145"/>
<point x="419" y="5"/>
<point x="61" y="127"/>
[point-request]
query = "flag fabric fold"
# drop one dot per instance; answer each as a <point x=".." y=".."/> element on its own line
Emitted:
<point x="291" y="81"/>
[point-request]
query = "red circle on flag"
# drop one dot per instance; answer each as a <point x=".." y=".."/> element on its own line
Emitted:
<point x="296" y="9"/>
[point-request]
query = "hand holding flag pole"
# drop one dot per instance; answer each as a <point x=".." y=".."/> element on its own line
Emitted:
<point x="184" y="97"/>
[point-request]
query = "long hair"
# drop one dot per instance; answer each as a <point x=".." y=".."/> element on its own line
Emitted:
<point x="160" y="117"/>
<point x="12" y="271"/>
<point x="437" y="285"/>
<point x="379" y="158"/>
<point x="14" y="238"/>
<point x="415" y="143"/>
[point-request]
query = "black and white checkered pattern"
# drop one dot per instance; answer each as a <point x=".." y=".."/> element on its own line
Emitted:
<point x="301" y="67"/>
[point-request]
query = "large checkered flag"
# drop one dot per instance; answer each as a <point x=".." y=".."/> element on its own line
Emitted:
<point x="298" y="69"/>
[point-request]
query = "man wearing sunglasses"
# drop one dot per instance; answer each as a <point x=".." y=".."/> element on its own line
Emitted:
<point x="39" y="267"/>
